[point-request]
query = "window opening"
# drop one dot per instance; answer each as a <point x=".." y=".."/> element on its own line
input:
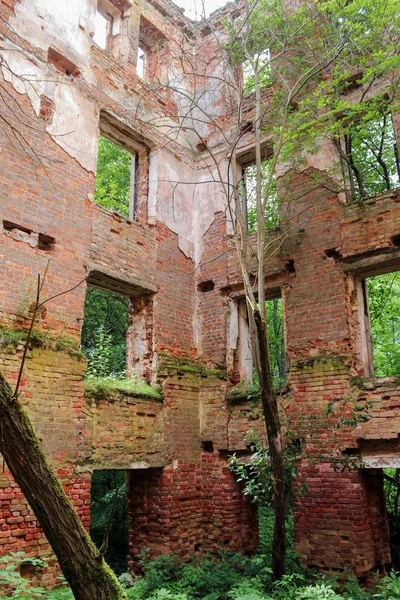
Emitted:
<point x="262" y="61"/>
<point x="105" y="483"/>
<point x="140" y="65"/>
<point x="102" y="28"/>
<point x="249" y="194"/>
<point x="116" y="178"/>
<point x="369" y="152"/>
<point x="276" y="341"/>
<point x="383" y="302"/>
<point x="105" y="326"/>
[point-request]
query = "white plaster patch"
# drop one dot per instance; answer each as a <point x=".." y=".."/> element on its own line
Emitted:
<point x="245" y="358"/>
<point x="24" y="75"/>
<point x="65" y="24"/>
<point x="209" y="199"/>
<point x="381" y="461"/>
<point x="185" y="199"/>
<point x="75" y="126"/>
<point x="233" y="324"/>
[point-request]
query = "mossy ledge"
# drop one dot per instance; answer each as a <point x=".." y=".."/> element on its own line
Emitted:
<point x="243" y="392"/>
<point x="168" y="362"/>
<point x="11" y="339"/>
<point x="324" y="361"/>
<point x="108" y="388"/>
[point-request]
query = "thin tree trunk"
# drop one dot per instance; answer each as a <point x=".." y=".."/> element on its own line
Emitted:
<point x="81" y="562"/>
<point x="272" y="421"/>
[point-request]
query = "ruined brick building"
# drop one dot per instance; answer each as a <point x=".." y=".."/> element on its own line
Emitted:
<point x="60" y="90"/>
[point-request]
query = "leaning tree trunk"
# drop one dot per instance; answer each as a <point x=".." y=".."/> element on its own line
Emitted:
<point x="81" y="562"/>
<point x="272" y="421"/>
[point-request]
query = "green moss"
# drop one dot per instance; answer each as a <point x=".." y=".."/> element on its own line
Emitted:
<point x="12" y="338"/>
<point x="106" y="387"/>
<point x="169" y="362"/>
<point x="362" y="383"/>
<point x="242" y="392"/>
<point x="323" y="361"/>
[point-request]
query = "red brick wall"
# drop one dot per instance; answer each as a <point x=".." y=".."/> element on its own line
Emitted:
<point x="174" y="304"/>
<point x="187" y="508"/>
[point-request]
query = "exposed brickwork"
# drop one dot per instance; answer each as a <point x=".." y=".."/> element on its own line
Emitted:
<point x="176" y="263"/>
<point x="188" y="508"/>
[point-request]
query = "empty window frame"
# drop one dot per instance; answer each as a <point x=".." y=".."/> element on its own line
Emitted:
<point x="262" y="66"/>
<point x="141" y="62"/>
<point x="105" y="20"/>
<point x="382" y="313"/>
<point x="104" y="331"/>
<point x="117" y="178"/>
<point x="369" y="154"/>
<point x="248" y="191"/>
<point x="152" y="42"/>
<point x="276" y="342"/>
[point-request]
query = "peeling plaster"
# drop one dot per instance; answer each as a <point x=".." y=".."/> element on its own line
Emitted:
<point x="75" y="126"/>
<point x="233" y="324"/>
<point x="66" y="25"/>
<point x="25" y="76"/>
<point x="75" y="122"/>
<point x="208" y="200"/>
<point x="389" y="461"/>
<point x="183" y="198"/>
<point x="245" y="357"/>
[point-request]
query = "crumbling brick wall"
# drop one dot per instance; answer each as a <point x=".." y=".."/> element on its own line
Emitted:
<point x="176" y="264"/>
<point x="48" y="213"/>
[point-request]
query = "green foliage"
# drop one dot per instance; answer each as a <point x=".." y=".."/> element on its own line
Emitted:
<point x="276" y="341"/>
<point x="203" y="578"/>
<point x="388" y="588"/>
<point x="17" y="587"/>
<point x="245" y="390"/>
<point x="357" y="44"/>
<point x="235" y="577"/>
<point x="105" y="324"/>
<point x="231" y="577"/>
<point x="392" y="496"/>
<point x="370" y="150"/>
<point x="256" y="474"/>
<point x="384" y="308"/>
<point x="170" y="362"/>
<point x="271" y="219"/>
<point x="113" y="177"/>
<point x="260" y="64"/>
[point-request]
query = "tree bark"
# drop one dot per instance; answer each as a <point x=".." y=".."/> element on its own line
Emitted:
<point x="83" y="566"/>
<point x="272" y="421"/>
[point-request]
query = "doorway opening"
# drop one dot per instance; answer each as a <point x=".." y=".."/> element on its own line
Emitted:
<point x="108" y="490"/>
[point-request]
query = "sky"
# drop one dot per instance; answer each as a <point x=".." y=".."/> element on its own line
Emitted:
<point x="194" y="8"/>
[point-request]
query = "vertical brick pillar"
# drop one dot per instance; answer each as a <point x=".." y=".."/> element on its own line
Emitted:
<point x="229" y="519"/>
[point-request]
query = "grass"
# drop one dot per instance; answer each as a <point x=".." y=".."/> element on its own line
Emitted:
<point x="104" y="387"/>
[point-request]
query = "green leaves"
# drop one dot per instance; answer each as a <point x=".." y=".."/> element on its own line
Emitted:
<point x="104" y="330"/>
<point x="20" y="588"/>
<point x="113" y="178"/>
<point x="384" y="308"/>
